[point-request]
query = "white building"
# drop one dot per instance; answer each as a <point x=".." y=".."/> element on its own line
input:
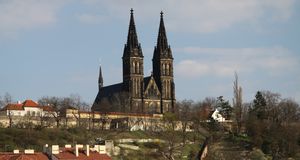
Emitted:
<point x="217" y="116"/>
<point x="27" y="108"/>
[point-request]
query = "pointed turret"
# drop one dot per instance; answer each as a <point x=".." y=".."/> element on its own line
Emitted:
<point x="100" y="80"/>
<point x="162" y="48"/>
<point x="162" y="42"/>
<point x="132" y="47"/>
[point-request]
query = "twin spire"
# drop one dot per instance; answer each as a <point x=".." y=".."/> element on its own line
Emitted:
<point x="162" y="42"/>
<point x="132" y="40"/>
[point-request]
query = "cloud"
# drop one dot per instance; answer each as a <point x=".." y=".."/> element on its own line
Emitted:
<point x="225" y="61"/>
<point x="91" y="18"/>
<point x="16" y="15"/>
<point x="202" y="15"/>
<point x="182" y="16"/>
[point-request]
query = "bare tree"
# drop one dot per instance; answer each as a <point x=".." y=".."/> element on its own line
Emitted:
<point x="184" y="117"/>
<point x="105" y="108"/>
<point x="120" y="102"/>
<point x="54" y="102"/>
<point x="5" y="101"/>
<point x="237" y="103"/>
<point x="273" y="124"/>
<point x="169" y="135"/>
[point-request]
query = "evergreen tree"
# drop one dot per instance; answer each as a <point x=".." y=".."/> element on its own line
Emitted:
<point x="224" y="107"/>
<point x="259" y="106"/>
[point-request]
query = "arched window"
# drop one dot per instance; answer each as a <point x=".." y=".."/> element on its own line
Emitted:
<point x="133" y="67"/>
<point x="140" y="67"/>
<point x="167" y="69"/>
<point x="137" y="67"/>
<point x="164" y="69"/>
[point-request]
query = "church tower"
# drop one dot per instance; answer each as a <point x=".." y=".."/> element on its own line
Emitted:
<point x="133" y="70"/>
<point x="163" y="69"/>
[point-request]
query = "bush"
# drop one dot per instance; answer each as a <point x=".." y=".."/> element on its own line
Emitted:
<point x="151" y="145"/>
<point x="257" y="154"/>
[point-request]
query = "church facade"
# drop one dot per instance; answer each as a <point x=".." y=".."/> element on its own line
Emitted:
<point x="138" y="94"/>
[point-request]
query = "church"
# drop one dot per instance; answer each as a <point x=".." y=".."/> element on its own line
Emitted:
<point x="138" y="94"/>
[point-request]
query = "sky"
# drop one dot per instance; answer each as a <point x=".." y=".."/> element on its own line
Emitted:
<point x="55" y="47"/>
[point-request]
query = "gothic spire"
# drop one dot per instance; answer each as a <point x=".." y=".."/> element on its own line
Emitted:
<point x="162" y="47"/>
<point x="100" y="80"/>
<point x="132" y="47"/>
<point x="132" y="40"/>
<point x="162" y="42"/>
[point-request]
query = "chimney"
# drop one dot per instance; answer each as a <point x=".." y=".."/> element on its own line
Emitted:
<point x="77" y="146"/>
<point x="55" y="149"/>
<point x="29" y="151"/>
<point x="68" y="146"/>
<point x="16" y="151"/>
<point x="87" y="150"/>
<point x="19" y="102"/>
<point x="76" y="151"/>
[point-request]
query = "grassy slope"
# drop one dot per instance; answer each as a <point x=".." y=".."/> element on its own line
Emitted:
<point x="12" y="138"/>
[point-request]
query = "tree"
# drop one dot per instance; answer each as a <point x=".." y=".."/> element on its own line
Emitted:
<point x="120" y="102"/>
<point x="259" y="106"/>
<point x="7" y="99"/>
<point x="184" y="116"/>
<point x="105" y="108"/>
<point x="169" y="135"/>
<point x="237" y="103"/>
<point x="272" y="124"/>
<point x="55" y="103"/>
<point x="225" y="108"/>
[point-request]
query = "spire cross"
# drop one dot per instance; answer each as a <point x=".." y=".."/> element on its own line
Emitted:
<point x="131" y="11"/>
<point x="161" y="13"/>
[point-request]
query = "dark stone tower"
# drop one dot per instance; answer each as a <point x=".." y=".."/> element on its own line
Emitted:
<point x="163" y="69"/>
<point x="100" y="80"/>
<point x="133" y="70"/>
<point x="138" y="94"/>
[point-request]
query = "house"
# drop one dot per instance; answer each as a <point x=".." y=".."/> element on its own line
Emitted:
<point x="26" y="155"/>
<point x="27" y="113"/>
<point x="27" y="108"/>
<point x="78" y="152"/>
<point x="217" y="116"/>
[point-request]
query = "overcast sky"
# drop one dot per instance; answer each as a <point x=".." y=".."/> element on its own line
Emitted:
<point x="55" y="47"/>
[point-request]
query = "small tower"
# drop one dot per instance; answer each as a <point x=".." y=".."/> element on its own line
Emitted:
<point x="163" y="68"/>
<point x="133" y="70"/>
<point x="100" y="79"/>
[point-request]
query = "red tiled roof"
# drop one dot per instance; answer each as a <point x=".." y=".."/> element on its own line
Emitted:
<point x="26" y="103"/>
<point x="13" y="107"/>
<point x="29" y="103"/>
<point x="68" y="154"/>
<point x="23" y="156"/>
<point x="126" y="114"/>
<point x="47" y="108"/>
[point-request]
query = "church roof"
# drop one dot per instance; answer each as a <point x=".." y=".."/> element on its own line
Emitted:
<point x="146" y="81"/>
<point x="108" y="91"/>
